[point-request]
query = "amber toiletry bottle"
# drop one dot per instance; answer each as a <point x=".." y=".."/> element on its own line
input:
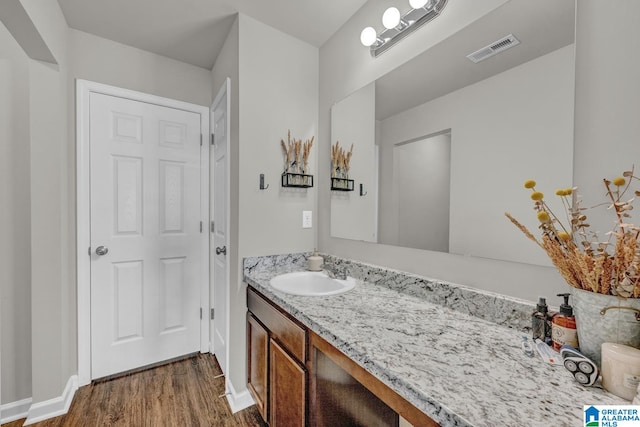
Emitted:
<point x="539" y="319"/>
<point x="563" y="326"/>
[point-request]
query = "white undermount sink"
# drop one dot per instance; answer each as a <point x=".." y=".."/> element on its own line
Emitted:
<point x="311" y="283"/>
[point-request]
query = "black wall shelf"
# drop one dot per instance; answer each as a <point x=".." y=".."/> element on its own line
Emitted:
<point x="298" y="180"/>
<point x="341" y="184"/>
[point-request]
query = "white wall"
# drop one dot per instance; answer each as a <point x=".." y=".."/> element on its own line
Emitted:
<point x="15" y="244"/>
<point x="277" y="94"/>
<point x="607" y="129"/>
<point x="278" y="91"/>
<point x="502" y="130"/>
<point x="344" y="67"/>
<point x="104" y="61"/>
<point x="52" y="282"/>
<point x="418" y="194"/>
<point x="353" y="121"/>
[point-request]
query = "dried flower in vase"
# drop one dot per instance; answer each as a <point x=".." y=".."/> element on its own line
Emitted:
<point x="296" y="154"/>
<point x="340" y="161"/>
<point x="306" y="151"/>
<point x="347" y="162"/>
<point x="610" y="267"/>
<point x="287" y="149"/>
<point x="335" y="152"/>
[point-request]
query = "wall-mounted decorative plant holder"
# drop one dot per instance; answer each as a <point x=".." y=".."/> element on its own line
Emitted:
<point x="341" y="184"/>
<point x="299" y="180"/>
<point x="296" y="162"/>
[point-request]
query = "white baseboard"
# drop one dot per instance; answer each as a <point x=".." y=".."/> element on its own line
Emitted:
<point x="238" y="401"/>
<point x="14" y="410"/>
<point x="53" y="407"/>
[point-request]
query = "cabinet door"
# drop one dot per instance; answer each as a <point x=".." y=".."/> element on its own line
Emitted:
<point x="257" y="363"/>
<point x="288" y="389"/>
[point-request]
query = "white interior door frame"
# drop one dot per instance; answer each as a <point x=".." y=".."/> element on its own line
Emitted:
<point x="83" y="215"/>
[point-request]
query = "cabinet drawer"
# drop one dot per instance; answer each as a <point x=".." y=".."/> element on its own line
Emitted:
<point x="290" y="335"/>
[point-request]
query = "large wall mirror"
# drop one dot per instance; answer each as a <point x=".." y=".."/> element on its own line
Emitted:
<point x="442" y="144"/>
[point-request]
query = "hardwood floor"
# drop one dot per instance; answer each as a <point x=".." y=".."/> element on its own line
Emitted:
<point x="183" y="393"/>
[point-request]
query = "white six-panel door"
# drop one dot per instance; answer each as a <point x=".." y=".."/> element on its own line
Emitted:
<point x="145" y="221"/>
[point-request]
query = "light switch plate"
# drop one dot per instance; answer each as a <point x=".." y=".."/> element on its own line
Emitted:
<point x="307" y="219"/>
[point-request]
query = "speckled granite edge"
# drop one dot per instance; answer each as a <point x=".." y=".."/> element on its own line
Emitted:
<point x="501" y="309"/>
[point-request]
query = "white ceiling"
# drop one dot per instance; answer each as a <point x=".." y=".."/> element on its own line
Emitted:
<point x="193" y="31"/>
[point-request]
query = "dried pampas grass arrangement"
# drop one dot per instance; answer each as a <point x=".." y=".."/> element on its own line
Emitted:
<point x="296" y="154"/>
<point x="610" y="267"/>
<point x="340" y="161"/>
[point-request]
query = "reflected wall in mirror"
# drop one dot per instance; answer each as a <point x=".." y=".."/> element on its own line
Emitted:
<point x="353" y="121"/>
<point x="420" y="189"/>
<point x="509" y="118"/>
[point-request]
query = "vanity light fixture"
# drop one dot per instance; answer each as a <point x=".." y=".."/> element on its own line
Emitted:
<point x="391" y="18"/>
<point x="398" y="26"/>
<point x="368" y="36"/>
<point x="417" y="4"/>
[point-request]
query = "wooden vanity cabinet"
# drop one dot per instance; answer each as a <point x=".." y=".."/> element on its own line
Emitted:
<point x="276" y="372"/>
<point x="299" y="379"/>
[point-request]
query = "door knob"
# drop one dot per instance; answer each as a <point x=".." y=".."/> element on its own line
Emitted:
<point x="221" y="250"/>
<point x="102" y="250"/>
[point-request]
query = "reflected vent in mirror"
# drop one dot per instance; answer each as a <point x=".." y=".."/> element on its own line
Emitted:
<point x="494" y="48"/>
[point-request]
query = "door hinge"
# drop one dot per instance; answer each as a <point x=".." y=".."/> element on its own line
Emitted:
<point x="201" y="137"/>
<point x="201" y="313"/>
<point x="213" y="227"/>
<point x="212" y="315"/>
<point x="201" y="226"/>
<point x="213" y="139"/>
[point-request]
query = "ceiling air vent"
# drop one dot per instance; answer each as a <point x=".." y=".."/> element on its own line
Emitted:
<point x="494" y="48"/>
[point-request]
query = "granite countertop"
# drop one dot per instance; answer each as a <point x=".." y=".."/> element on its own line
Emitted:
<point x="460" y="370"/>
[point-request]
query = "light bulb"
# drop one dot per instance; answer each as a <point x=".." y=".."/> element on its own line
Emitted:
<point x="417" y="4"/>
<point x="391" y="18"/>
<point x="368" y="36"/>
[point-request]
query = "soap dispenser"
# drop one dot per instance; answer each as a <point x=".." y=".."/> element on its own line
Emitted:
<point x="539" y="324"/>
<point x="563" y="326"/>
<point x="314" y="262"/>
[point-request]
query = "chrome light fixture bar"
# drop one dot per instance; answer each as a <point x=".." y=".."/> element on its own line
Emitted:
<point x="399" y="26"/>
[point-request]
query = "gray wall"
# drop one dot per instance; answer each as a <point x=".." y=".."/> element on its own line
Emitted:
<point x="52" y="281"/>
<point x="276" y="94"/>
<point x="270" y="94"/>
<point x="353" y="121"/>
<point x="15" y="244"/>
<point x="419" y="196"/>
<point x="104" y="61"/>
<point x="607" y="129"/>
